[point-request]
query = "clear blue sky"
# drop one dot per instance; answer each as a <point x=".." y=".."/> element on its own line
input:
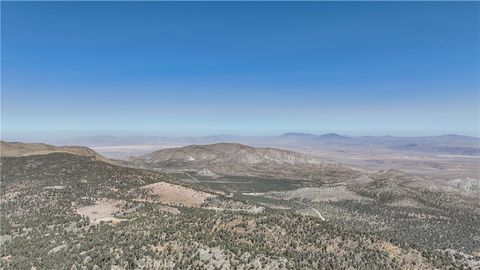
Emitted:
<point x="245" y="68"/>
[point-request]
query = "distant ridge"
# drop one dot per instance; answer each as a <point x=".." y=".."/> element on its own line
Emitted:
<point x="442" y="144"/>
<point x="233" y="159"/>
<point x="332" y="136"/>
<point x="299" y="134"/>
<point x="18" y="149"/>
<point x="186" y="140"/>
<point x="312" y="137"/>
<point x="229" y="152"/>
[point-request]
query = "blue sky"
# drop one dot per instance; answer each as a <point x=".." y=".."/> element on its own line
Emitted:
<point x="240" y="68"/>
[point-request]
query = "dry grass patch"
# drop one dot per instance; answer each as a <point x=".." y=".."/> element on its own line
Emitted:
<point x="101" y="211"/>
<point x="178" y="195"/>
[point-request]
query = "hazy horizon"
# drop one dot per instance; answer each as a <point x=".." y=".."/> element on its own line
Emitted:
<point x="65" y="135"/>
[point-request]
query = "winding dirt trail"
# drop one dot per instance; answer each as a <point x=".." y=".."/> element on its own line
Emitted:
<point x="319" y="215"/>
<point x="316" y="211"/>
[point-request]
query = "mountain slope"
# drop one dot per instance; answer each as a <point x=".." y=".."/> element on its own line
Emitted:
<point x="230" y="152"/>
<point x="231" y="159"/>
<point x="17" y="149"/>
<point x="64" y="211"/>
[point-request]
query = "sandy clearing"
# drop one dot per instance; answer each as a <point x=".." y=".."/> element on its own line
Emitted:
<point x="316" y="194"/>
<point x="252" y="210"/>
<point x="101" y="211"/>
<point x="56" y="187"/>
<point x="178" y="195"/>
<point x="125" y="151"/>
<point x="169" y="209"/>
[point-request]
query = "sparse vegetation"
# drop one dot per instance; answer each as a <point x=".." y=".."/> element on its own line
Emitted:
<point x="42" y="227"/>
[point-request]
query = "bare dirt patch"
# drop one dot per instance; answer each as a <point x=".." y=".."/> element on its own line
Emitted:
<point x="178" y="195"/>
<point x="101" y="211"/>
<point x="56" y="187"/>
<point x="316" y="194"/>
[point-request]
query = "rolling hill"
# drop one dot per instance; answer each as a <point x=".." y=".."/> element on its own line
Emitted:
<point x="232" y="159"/>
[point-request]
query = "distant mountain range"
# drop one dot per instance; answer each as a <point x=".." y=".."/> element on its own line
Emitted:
<point x="292" y="136"/>
<point x="445" y="144"/>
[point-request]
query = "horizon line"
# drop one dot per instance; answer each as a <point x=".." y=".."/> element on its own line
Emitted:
<point x="47" y="135"/>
